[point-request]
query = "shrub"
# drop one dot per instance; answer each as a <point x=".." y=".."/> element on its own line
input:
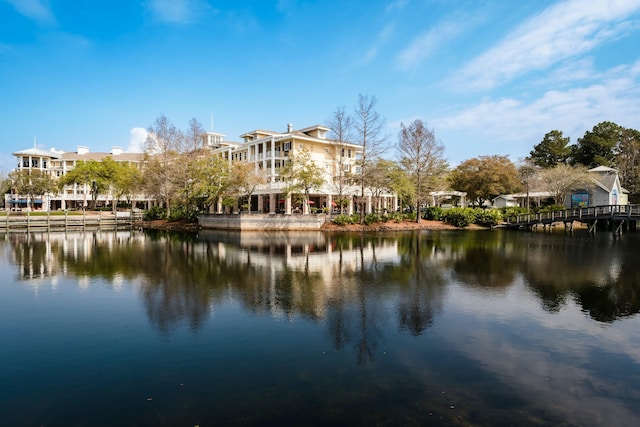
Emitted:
<point x="396" y="217"/>
<point x="183" y="213"/>
<point x="372" y="218"/>
<point x="552" y="208"/>
<point x="343" y="219"/>
<point x="155" y="212"/>
<point x="512" y="212"/>
<point x="459" y="217"/>
<point x="433" y="213"/>
<point x="488" y="217"/>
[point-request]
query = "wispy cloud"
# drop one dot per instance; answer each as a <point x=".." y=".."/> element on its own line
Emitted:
<point x="574" y="110"/>
<point x="37" y="10"/>
<point x="396" y="5"/>
<point x="381" y="39"/>
<point x="560" y="32"/>
<point x="177" y="11"/>
<point x="428" y="42"/>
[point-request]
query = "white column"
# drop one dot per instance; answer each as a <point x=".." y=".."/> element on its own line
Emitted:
<point x="287" y="204"/>
<point x="272" y="203"/>
<point x="260" y="203"/>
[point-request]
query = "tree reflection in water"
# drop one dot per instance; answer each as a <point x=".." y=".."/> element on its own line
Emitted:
<point x="347" y="281"/>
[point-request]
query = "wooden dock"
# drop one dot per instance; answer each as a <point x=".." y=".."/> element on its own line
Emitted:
<point x="617" y="217"/>
<point x="39" y="221"/>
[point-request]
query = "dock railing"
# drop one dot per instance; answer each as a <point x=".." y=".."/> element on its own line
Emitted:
<point x="590" y="213"/>
<point x="54" y="221"/>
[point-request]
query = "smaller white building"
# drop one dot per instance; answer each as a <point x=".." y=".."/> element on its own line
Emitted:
<point x="606" y="190"/>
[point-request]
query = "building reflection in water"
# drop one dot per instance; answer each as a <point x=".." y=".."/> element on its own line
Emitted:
<point x="350" y="281"/>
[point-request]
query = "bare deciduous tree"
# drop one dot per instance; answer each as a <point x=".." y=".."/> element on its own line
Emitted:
<point x="341" y="125"/>
<point x="422" y="156"/>
<point x="561" y="179"/>
<point x="529" y="176"/>
<point x="368" y="125"/>
<point x="162" y="149"/>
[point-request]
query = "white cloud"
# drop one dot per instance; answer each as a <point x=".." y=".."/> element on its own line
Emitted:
<point x="137" y="138"/>
<point x="396" y="5"/>
<point x="38" y="10"/>
<point x="512" y="126"/>
<point x="177" y="11"/>
<point x="521" y="121"/>
<point x="382" y="38"/>
<point x="560" y="32"/>
<point x="427" y="43"/>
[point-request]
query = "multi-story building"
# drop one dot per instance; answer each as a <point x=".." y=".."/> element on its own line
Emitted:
<point x="58" y="163"/>
<point x="270" y="151"/>
<point x="267" y="151"/>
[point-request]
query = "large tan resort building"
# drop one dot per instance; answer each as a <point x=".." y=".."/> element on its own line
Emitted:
<point x="268" y="151"/>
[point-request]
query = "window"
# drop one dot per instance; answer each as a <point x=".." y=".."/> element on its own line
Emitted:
<point x="349" y="153"/>
<point x="286" y="146"/>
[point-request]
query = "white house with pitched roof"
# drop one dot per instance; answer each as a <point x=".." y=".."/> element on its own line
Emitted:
<point x="606" y="190"/>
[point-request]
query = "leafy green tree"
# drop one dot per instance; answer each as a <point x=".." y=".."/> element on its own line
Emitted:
<point x="422" y="156"/>
<point x="596" y="147"/>
<point x="98" y="176"/>
<point x="302" y="174"/>
<point x="126" y="182"/>
<point x="245" y="180"/>
<point x="627" y="161"/>
<point x="32" y="183"/>
<point x="485" y="177"/>
<point x="561" y="179"/>
<point x="553" y="149"/>
<point x="401" y="184"/>
<point x="212" y="179"/>
<point x="380" y="177"/>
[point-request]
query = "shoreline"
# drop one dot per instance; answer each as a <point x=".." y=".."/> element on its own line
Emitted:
<point x="192" y="227"/>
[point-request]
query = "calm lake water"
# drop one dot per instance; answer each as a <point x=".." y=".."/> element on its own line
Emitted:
<point x="418" y="328"/>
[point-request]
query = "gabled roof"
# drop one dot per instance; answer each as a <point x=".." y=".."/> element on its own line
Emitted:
<point x="532" y="195"/>
<point x="605" y="169"/>
<point x="37" y="152"/>
<point x="604" y="177"/>
<point x="100" y="156"/>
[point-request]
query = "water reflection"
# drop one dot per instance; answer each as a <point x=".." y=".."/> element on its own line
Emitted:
<point x="317" y="276"/>
<point x="506" y="328"/>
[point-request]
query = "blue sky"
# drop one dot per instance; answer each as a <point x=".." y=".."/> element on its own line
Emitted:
<point x="490" y="77"/>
